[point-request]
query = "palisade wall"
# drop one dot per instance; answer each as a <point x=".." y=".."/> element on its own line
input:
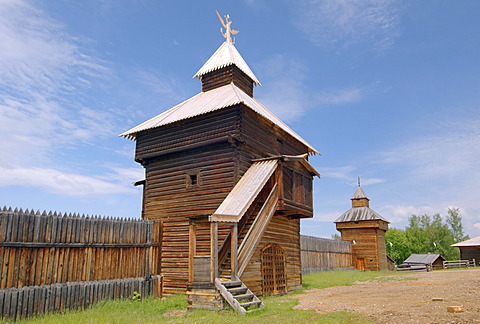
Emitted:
<point x="73" y="260"/>
<point x="320" y="254"/>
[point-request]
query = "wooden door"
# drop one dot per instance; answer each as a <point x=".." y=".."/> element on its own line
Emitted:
<point x="273" y="270"/>
<point x="360" y="264"/>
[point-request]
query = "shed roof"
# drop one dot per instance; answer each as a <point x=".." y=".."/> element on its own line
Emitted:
<point x="226" y="55"/>
<point x="471" y="242"/>
<point x="205" y="102"/>
<point x="424" y="258"/>
<point x="245" y="191"/>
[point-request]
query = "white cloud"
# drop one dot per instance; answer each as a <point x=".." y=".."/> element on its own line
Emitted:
<point x="285" y="94"/>
<point x="451" y="151"/>
<point x="340" y="96"/>
<point x="343" y="23"/>
<point x="438" y="170"/>
<point x="44" y="112"/>
<point x="346" y="175"/>
<point x="71" y="184"/>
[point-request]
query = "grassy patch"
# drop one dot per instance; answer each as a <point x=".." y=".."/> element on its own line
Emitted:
<point x="326" y="279"/>
<point x="172" y="309"/>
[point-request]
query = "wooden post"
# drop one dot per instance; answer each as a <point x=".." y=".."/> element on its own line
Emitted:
<point x="214" y="250"/>
<point x="192" y="249"/>
<point x="233" y="250"/>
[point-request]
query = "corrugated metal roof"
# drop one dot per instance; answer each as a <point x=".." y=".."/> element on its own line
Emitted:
<point x="226" y="55"/>
<point x="359" y="194"/>
<point x="471" y="242"/>
<point x="423" y="258"/>
<point x="245" y="191"/>
<point x="204" y="102"/>
<point x="360" y="214"/>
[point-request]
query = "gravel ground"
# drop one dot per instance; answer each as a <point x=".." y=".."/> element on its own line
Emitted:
<point x="423" y="300"/>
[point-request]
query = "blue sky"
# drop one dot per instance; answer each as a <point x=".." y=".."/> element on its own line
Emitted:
<point x="385" y="90"/>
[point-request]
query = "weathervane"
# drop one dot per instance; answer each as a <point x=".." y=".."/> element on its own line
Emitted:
<point x="228" y="31"/>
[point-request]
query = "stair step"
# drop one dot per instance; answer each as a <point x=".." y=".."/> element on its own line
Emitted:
<point x="237" y="290"/>
<point x="243" y="296"/>
<point x="252" y="303"/>
<point x="228" y="284"/>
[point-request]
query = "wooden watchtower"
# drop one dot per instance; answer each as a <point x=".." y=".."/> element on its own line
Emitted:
<point x="365" y="229"/>
<point x="230" y="183"/>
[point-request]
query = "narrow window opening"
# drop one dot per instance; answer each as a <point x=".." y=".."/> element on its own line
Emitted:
<point x="279" y="140"/>
<point x="193" y="179"/>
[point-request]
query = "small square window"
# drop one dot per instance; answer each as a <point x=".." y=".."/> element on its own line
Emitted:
<point x="193" y="179"/>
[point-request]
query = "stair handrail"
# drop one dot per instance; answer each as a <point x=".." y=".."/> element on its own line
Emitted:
<point x="251" y="240"/>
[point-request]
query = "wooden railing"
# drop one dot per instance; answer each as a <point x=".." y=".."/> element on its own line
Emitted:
<point x="458" y="264"/>
<point x="254" y="235"/>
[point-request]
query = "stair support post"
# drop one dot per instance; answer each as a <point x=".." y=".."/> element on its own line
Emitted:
<point x="233" y="251"/>
<point x="214" y="250"/>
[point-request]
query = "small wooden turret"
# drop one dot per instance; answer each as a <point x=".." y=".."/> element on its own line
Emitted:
<point x="365" y="229"/>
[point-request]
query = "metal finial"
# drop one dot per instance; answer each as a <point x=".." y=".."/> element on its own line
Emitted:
<point x="226" y="24"/>
<point x="359" y="181"/>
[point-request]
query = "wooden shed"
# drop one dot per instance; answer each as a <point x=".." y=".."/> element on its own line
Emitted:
<point x="470" y="249"/>
<point x="365" y="229"/>
<point x="230" y="183"/>
<point x="433" y="261"/>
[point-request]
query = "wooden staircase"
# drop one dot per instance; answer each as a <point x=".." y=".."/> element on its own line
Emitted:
<point x="247" y="210"/>
<point x="238" y="296"/>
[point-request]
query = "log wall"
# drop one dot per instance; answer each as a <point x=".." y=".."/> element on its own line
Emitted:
<point x="320" y="254"/>
<point x="286" y="233"/>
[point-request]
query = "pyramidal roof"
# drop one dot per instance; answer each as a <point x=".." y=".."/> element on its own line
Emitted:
<point x="363" y="213"/>
<point x="359" y="194"/>
<point x="205" y="102"/>
<point x="226" y="55"/>
<point x="356" y="214"/>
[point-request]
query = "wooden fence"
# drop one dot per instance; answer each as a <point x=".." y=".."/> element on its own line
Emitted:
<point x="42" y="250"/>
<point x="319" y="254"/>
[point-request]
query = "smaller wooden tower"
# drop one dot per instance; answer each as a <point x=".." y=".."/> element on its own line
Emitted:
<point x="365" y="229"/>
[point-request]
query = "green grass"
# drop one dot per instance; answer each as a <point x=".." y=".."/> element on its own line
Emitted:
<point x="278" y="309"/>
<point x="326" y="279"/>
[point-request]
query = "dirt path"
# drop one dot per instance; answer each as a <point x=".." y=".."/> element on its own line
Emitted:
<point x="424" y="300"/>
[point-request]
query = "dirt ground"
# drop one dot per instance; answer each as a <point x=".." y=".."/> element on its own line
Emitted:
<point x="423" y="300"/>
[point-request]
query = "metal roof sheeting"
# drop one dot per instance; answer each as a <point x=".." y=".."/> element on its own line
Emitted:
<point x="471" y="242"/>
<point x="423" y="258"/>
<point x="359" y="194"/>
<point x="226" y="55"/>
<point x="360" y="214"/>
<point x="245" y="191"/>
<point x="216" y="99"/>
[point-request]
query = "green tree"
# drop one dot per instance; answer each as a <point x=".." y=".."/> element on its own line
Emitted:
<point x="397" y="245"/>
<point x="427" y="234"/>
<point x="454" y="220"/>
